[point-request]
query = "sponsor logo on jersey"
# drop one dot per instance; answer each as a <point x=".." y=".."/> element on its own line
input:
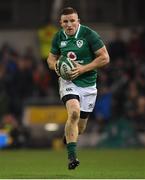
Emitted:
<point x="79" y="43"/>
<point x="71" y="55"/>
<point x="63" y="44"/>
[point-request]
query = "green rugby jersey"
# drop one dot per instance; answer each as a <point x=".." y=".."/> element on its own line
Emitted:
<point x="80" y="48"/>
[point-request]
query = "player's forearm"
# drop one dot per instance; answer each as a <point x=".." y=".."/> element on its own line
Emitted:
<point x="97" y="63"/>
<point x="51" y="64"/>
<point x="51" y="61"/>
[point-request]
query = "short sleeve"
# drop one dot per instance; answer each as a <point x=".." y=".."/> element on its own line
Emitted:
<point x="55" y="46"/>
<point x="95" y="41"/>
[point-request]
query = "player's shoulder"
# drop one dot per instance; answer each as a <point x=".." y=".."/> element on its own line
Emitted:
<point x="59" y="33"/>
<point x="87" y="31"/>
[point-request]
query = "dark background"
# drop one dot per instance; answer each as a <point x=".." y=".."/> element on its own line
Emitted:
<point x="34" y="13"/>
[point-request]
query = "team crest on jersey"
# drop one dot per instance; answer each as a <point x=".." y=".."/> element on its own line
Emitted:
<point x="63" y="44"/>
<point x="79" y="43"/>
<point x="71" y="55"/>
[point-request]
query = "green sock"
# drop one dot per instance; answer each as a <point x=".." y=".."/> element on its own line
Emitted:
<point x="71" y="149"/>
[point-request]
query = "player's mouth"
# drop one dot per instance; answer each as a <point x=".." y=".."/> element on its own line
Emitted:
<point x="70" y="31"/>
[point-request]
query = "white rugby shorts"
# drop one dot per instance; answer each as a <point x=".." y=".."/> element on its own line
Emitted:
<point x="87" y="95"/>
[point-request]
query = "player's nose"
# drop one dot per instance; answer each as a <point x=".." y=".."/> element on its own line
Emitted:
<point x="69" y="23"/>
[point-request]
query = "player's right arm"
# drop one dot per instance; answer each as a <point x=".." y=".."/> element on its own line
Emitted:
<point x="54" y="54"/>
<point x="51" y="60"/>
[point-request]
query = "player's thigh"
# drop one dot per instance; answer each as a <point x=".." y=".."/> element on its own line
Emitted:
<point x="88" y="98"/>
<point x="67" y="88"/>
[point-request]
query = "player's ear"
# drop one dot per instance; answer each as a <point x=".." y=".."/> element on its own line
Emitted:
<point x="79" y="20"/>
<point x="60" y="22"/>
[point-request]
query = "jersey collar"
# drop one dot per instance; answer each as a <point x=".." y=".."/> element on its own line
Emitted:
<point x="76" y="34"/>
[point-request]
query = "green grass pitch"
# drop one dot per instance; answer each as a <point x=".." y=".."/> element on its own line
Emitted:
<point x="50" y="164"/>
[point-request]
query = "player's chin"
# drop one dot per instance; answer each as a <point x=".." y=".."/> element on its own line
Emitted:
<point x="70" y="32"/>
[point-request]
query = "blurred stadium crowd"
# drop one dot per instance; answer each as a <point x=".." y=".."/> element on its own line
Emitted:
<point x="120" y="108"/>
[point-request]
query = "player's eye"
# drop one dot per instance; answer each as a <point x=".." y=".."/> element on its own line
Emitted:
<point x="65" y="21"/>
<point x="72" y="20"/>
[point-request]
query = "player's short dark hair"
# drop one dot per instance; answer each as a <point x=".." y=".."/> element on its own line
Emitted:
<point x="68" y="10"/>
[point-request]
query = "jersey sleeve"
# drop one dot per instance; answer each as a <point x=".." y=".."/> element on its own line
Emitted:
<point x="55" y="46"/>
<point x="95" y="41"/>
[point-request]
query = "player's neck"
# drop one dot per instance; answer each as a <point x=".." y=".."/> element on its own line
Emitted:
<point x="74" y="35"/>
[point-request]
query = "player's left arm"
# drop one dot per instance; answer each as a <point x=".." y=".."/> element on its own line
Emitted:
<point x="102" y="58"/>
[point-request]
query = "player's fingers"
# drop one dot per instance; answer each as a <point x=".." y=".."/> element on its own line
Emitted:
<point x="74" y="75"/>
<point x="73" y="72"/>
<point x="74" y="69"/>
<point x="75" y="63"/>
<point x="57" y="72"/>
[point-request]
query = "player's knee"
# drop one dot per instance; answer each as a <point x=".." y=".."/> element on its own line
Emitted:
<point x="74" y="116"/>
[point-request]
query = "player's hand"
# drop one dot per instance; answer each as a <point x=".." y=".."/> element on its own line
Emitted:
<point x="56" y="69"/>
<point x="77" y="71"/>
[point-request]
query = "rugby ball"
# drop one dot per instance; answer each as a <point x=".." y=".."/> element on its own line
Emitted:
<point x="65" y="66"/>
